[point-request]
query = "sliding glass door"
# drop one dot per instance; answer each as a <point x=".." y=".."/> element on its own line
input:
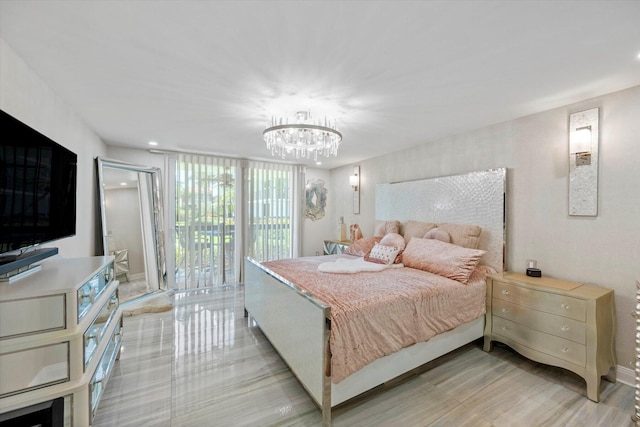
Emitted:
<point x="228" y="208"/>
<point x="206" y="213"/>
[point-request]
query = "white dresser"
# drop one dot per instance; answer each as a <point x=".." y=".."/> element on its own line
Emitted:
<point x="555" y="322"/>
<point x="60" y="333"/>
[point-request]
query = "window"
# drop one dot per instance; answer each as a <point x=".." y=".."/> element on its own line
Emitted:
<point x="215" y="230"/>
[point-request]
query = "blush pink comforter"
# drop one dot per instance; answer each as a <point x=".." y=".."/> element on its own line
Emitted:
<point x="378" y="313"/>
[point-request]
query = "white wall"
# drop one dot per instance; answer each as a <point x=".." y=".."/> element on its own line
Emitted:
<point x="25" y="96"/>
<point x="603" y="250"/>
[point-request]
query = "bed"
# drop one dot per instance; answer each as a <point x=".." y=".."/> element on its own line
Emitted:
<point x="299" y="324"/>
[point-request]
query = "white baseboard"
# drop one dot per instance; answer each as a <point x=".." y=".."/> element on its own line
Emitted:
<point x="137" y="276"/>
<point x="626" y="376"/>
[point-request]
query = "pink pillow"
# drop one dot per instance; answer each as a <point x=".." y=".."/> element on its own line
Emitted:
<point x="416" y="229"/>
<point x="444" y="259"/>
<point x="464" y="235"/>
<point x="393" y="239"/>
<point x="438" y="234"/>
<point x="383" y="228"/>
<point x="361" y="247"/>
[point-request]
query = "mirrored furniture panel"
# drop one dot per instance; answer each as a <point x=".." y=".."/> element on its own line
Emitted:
<point x="69" y="359"/>
<point x="333" y="247"/>
<point x="102" y="373"/>
<point x="95" y="333"/>
<point x="92" y="290"/>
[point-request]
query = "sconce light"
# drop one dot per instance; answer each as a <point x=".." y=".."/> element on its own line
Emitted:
<point x="583" y="162"/>
<point x="354" y="181"/>
<point x="580" y="145"/>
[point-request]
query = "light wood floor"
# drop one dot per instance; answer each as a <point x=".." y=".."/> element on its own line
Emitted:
<point x="205" y="364"/>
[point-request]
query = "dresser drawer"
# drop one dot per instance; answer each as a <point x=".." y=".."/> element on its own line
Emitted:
<point x="548" y="302"/>
<point x="33" y="368"/>
<point x="32" y="315"/>
<point x="559" y="326"/>
<point x="539" y="341"/>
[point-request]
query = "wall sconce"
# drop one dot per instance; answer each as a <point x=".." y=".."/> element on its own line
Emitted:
<point x="583" y="162"/>
<point x="354" y="181"/>
<point x="580" y="145"/>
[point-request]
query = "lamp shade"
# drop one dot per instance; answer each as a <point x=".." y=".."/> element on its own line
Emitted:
<point x="580" y="141"/>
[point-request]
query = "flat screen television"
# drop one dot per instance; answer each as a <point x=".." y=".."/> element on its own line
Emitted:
<point x="37" y="189"/>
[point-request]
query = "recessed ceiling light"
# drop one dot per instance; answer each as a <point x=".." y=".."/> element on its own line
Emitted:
<point x="123" y="184"/>
<point x="318" y="163"/>
<point x="153" y="143"/>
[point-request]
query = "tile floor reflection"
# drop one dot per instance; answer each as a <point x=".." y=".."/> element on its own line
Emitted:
<point x="205" y="364"/>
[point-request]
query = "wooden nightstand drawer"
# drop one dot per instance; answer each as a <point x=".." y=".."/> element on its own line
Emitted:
<point x="539" y="341"/>
<point x="542" y="301"/>
<point x="559" y="326"/>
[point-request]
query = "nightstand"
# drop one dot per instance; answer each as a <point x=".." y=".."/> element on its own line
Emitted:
<point x="556" y="322"/>
<point x="332" y="247"/>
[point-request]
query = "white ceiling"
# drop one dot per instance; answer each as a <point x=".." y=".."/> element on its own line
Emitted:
<point x="206" y="76"/>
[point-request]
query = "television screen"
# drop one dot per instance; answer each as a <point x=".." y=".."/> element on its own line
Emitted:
<point x="37" y="187"/>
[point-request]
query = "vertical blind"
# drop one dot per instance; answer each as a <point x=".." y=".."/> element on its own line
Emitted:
<point x="206" y="213"/>
<point x="273" y="210"/>
<point x="230" y="208"/>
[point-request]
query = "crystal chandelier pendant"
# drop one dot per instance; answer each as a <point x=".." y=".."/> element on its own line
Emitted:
<point x="303" y="138"/>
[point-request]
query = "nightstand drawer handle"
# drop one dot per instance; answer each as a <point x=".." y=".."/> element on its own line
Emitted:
<point x="505" y="292"/>
<point x="505" y="310"/>
<point x="565" y="328"/>
<point x="565" y="350"/>
<point x="505" y="328"/>
<point x="565" y="306"/>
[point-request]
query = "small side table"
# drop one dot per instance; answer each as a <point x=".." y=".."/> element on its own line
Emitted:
<point x="332" y="247"/>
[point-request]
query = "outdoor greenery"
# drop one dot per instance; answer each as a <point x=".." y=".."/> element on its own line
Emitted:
<point x="206" y="213"/>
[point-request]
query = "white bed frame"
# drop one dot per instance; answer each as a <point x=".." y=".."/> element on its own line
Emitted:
<point x="298" y="325"/>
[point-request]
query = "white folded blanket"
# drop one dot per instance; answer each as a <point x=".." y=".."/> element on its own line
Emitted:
<point x="350" y="266"/>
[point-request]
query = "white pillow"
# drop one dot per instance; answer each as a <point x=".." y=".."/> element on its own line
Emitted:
<point x="382" y="254"/>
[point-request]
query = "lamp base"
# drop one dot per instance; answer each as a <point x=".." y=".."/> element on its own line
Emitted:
<point x="534" y="272"/>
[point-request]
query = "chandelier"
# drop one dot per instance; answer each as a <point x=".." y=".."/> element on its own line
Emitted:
<point x="302" y="139"/>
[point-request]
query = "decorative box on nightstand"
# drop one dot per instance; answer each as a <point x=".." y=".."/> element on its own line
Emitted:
<point x="556" y="322"/>
<point x="332" y="247"/>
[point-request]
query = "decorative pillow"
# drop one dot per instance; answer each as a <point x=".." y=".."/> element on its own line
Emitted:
<point x="467" y="236"/>
<point x="385" y="227"/>
<point x="438" y="234"/>
<point x="382" y="254"/>
<point x="444" y="259"/>
<point x="354" y="232"/>
<point x="361" y="247"/>
<point x="416" y="229"/>
<point x="395" y="240"/>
